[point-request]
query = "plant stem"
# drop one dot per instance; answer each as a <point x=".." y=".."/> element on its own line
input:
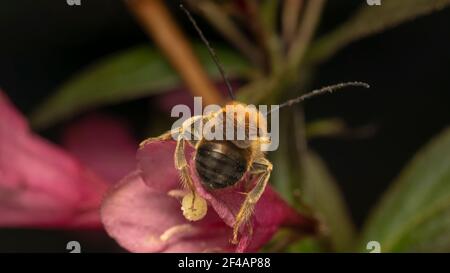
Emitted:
<point x="261" y="22"/>
<point x="307" y="28"/>
<point x="225" y="25"/>
<point x="290" y="14"/>
<point x="160" y="25"/>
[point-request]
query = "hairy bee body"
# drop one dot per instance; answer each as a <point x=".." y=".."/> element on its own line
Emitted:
<point x="221" y="164"/>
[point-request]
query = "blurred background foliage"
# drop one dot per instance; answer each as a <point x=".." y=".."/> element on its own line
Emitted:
<point x="337" y="154"/>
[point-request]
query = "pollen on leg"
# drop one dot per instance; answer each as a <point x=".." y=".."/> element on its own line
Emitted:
<point x="194" y="207"/>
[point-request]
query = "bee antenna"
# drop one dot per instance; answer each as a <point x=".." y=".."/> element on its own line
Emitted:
<point x="211" y="52"/>
<point x="319" y="92"/>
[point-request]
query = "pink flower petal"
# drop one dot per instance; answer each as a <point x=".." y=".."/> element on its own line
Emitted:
<point x="40" y="184"/>
<point x="10" y="115"/>
<point x="147" y="206"/>
<point x="156" y="160"/>
<point x="142" y="219"/>
<point x="104" y="144"/>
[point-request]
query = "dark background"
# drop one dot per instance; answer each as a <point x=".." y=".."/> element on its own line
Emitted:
<point x="44" y="42"/>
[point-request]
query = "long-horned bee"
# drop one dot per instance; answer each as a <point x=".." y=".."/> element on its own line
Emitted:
<point x="223" y="162"/>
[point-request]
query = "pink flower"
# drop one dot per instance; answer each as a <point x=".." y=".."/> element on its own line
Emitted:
<point x="41" y="185"/>
<point x="143" y="211"/>
<point x="102" y="143"/>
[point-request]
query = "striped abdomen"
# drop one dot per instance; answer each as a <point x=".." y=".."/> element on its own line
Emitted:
<point x="220" y="163"/>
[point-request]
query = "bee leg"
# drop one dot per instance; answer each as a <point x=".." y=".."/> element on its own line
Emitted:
<point x="182" y="166"/>
<point x="263" y="167"/>
<point x="166" y="136"/>
<point x="184" y="129"/>
<point x="186" y="135"/>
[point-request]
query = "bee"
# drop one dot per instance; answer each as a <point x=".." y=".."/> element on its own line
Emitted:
<point x="223" y="163"/>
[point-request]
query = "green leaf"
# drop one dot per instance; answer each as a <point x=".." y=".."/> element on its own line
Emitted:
<point x="370" y="20"/>
<point x="414" y="214"/>
<point x="306" y="245"/>
<point x="287" y="241"/>
<point x="321" y="192"/>
<point x="283" y="173"/>
<point x="303" y="180"/>
<point x="135" y="73"/>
